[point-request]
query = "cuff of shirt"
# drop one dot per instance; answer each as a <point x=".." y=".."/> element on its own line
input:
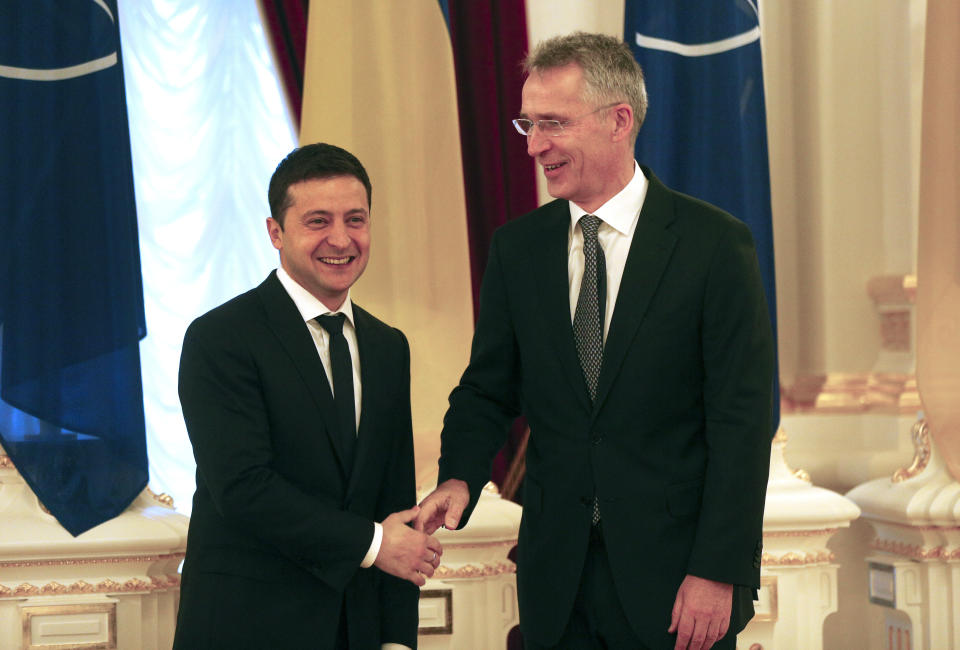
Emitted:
<point x="374" y="550"/>
<point x="393" y="646"/>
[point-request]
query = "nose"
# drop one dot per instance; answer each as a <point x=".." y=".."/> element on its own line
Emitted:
<point x="537" y="142"/>
<point x="337" y="236"/>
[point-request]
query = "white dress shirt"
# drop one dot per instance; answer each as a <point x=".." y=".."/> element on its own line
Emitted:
<point x="618" y="221"/>
<point x="310" y="307"/>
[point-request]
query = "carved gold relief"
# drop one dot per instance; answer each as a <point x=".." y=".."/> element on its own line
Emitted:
<point x="797" y="559"/>
<point x="5" y="462"/>
<point x="819" y="532"/>
<point x="920" y="435"/>
<point x="163" y="497"/>
<point x="79" y="561"/>
<point x="473" y="571"/>
<point x="157" y="583"/>
<point x="913" y="551"/>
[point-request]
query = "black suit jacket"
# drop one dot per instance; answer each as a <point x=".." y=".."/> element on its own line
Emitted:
<point x="278" y="530"/>
<point x="676" y="446"/>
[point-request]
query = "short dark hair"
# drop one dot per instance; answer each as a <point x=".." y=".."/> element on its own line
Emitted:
<point x="319" y="160"/>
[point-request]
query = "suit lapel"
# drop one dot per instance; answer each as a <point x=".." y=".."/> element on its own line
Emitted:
<point x="650" y="251"/>
<point x="288" y="326"/>
<point x="550" y="264"/>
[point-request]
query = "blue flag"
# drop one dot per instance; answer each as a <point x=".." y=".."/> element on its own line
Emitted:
<point x="71" y="298"/>
<point x="705" y="131"/>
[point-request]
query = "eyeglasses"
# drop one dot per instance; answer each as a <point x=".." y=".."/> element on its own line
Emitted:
<point x="552" y="127"/>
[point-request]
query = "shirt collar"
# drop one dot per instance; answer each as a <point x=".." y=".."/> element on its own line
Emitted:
<point x="307" y="304"/>
<point x="621" y="210"/>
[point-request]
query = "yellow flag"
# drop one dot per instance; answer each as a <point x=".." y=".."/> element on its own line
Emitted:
<point x="379" y="82"/>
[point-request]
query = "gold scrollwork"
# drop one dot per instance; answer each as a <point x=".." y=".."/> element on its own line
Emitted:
<point x="797" y="559"/>
<point x="163" y="498"/>
<point x="473" y="571"/>
<point x="5" y="462"/>
<point x="920" y="434"/>
<point x="914" y="551"/>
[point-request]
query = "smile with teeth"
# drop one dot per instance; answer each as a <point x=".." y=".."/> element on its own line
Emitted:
<point x="338" y="261"/>
<point x="553" y="166"/>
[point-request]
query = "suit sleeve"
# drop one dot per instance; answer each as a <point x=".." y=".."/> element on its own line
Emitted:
<point x="486" y="401"/>
<point x="399" y="599"/>
<point x="226" y="417"/>
<point x="738" y="362"/>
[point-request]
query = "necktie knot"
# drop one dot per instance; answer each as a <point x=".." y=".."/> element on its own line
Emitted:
<point x="589" y="225"/>
<point x="333" y="323"/>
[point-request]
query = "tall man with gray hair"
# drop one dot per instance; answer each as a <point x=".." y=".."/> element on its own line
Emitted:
<point x="628" y="323"/>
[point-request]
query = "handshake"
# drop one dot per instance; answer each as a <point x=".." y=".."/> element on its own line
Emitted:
<point x="412" y="552"/>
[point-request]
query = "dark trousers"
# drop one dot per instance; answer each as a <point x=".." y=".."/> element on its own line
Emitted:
<point x="597" y="621"/>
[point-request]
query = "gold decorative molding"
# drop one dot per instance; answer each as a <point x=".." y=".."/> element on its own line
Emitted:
<point x="882" y="392"/>
<point x="80" y="561"/>
<point x="5" y="462"/>
<point x="797" y="559"/>
<point x="163" y="497"/>
<point x="920" y="434"/>
<point x="506" y="544"/>
<point x="473" y="571"/>
<point x="817" y="532"/>
<point x="912" y="551"/>
<point x="106" y="586"/>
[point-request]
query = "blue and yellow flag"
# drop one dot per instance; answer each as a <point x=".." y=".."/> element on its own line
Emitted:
<point x="71" y="298"/>
<point x="705" y="131"/>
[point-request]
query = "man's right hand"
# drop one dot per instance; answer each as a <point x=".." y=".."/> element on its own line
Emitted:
<point x="444" y="506"/>
<point x="405" y="552"/>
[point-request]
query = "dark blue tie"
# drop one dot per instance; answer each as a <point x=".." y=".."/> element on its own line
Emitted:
<point x="342" y="371"/>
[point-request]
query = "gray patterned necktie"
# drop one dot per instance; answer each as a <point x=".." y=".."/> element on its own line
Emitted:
<point x="588" y="317"/>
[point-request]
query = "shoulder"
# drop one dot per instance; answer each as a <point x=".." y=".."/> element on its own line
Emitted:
<point x="238" y="313"/>
<point x="370" y="326"/>
<point x="691" y="216"/>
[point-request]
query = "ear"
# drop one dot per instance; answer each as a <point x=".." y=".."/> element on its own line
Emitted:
<point x="622" y="121"/>
<point x="275" y="230"/>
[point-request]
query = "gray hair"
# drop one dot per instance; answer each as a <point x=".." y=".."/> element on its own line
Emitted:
<point x="610" y="72"/>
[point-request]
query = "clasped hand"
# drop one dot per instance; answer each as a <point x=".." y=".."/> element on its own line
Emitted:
<point x="407" y="553"/>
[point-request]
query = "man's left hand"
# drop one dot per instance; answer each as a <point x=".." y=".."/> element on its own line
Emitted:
<point x="701" y="613"/>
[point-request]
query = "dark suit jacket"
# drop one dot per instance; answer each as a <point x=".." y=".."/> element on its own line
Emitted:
<point x="676" y="447"/>
<point x="278" y="531"/>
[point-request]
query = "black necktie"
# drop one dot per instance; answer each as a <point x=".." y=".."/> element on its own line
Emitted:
<point x="342" y="368"/>
<point x="588" y="317"/>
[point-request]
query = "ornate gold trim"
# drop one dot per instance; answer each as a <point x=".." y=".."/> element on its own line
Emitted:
<point x="473" y="571"/>
<point x="920" y="434"/>
<point x="818" y="532"/>
<point x="110" y="609"/>
<point x="81" y="561"/>
<point x="106" y="586"/>
<point x="797" y="559"/>
<point x="913" y="551"/>
<point x="163" y="497"/>
<point x="6" y="462"/>
<point x="851" y="393"/>
<point x="507" y="544"/>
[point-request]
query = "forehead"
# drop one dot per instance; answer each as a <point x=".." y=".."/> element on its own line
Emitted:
<point x="333" y="193"/>
<point x="553" y="91"/>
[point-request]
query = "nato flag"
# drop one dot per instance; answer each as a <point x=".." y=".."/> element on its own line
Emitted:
<point x="705" y="131"/>
<point x="71" y="299"/>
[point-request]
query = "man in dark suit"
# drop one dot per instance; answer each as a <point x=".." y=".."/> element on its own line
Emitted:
<point x="297" y="403"/>
<point x="627" y="322"/>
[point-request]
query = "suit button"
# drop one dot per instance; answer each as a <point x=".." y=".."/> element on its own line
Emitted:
<point x="596" y="438"/>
